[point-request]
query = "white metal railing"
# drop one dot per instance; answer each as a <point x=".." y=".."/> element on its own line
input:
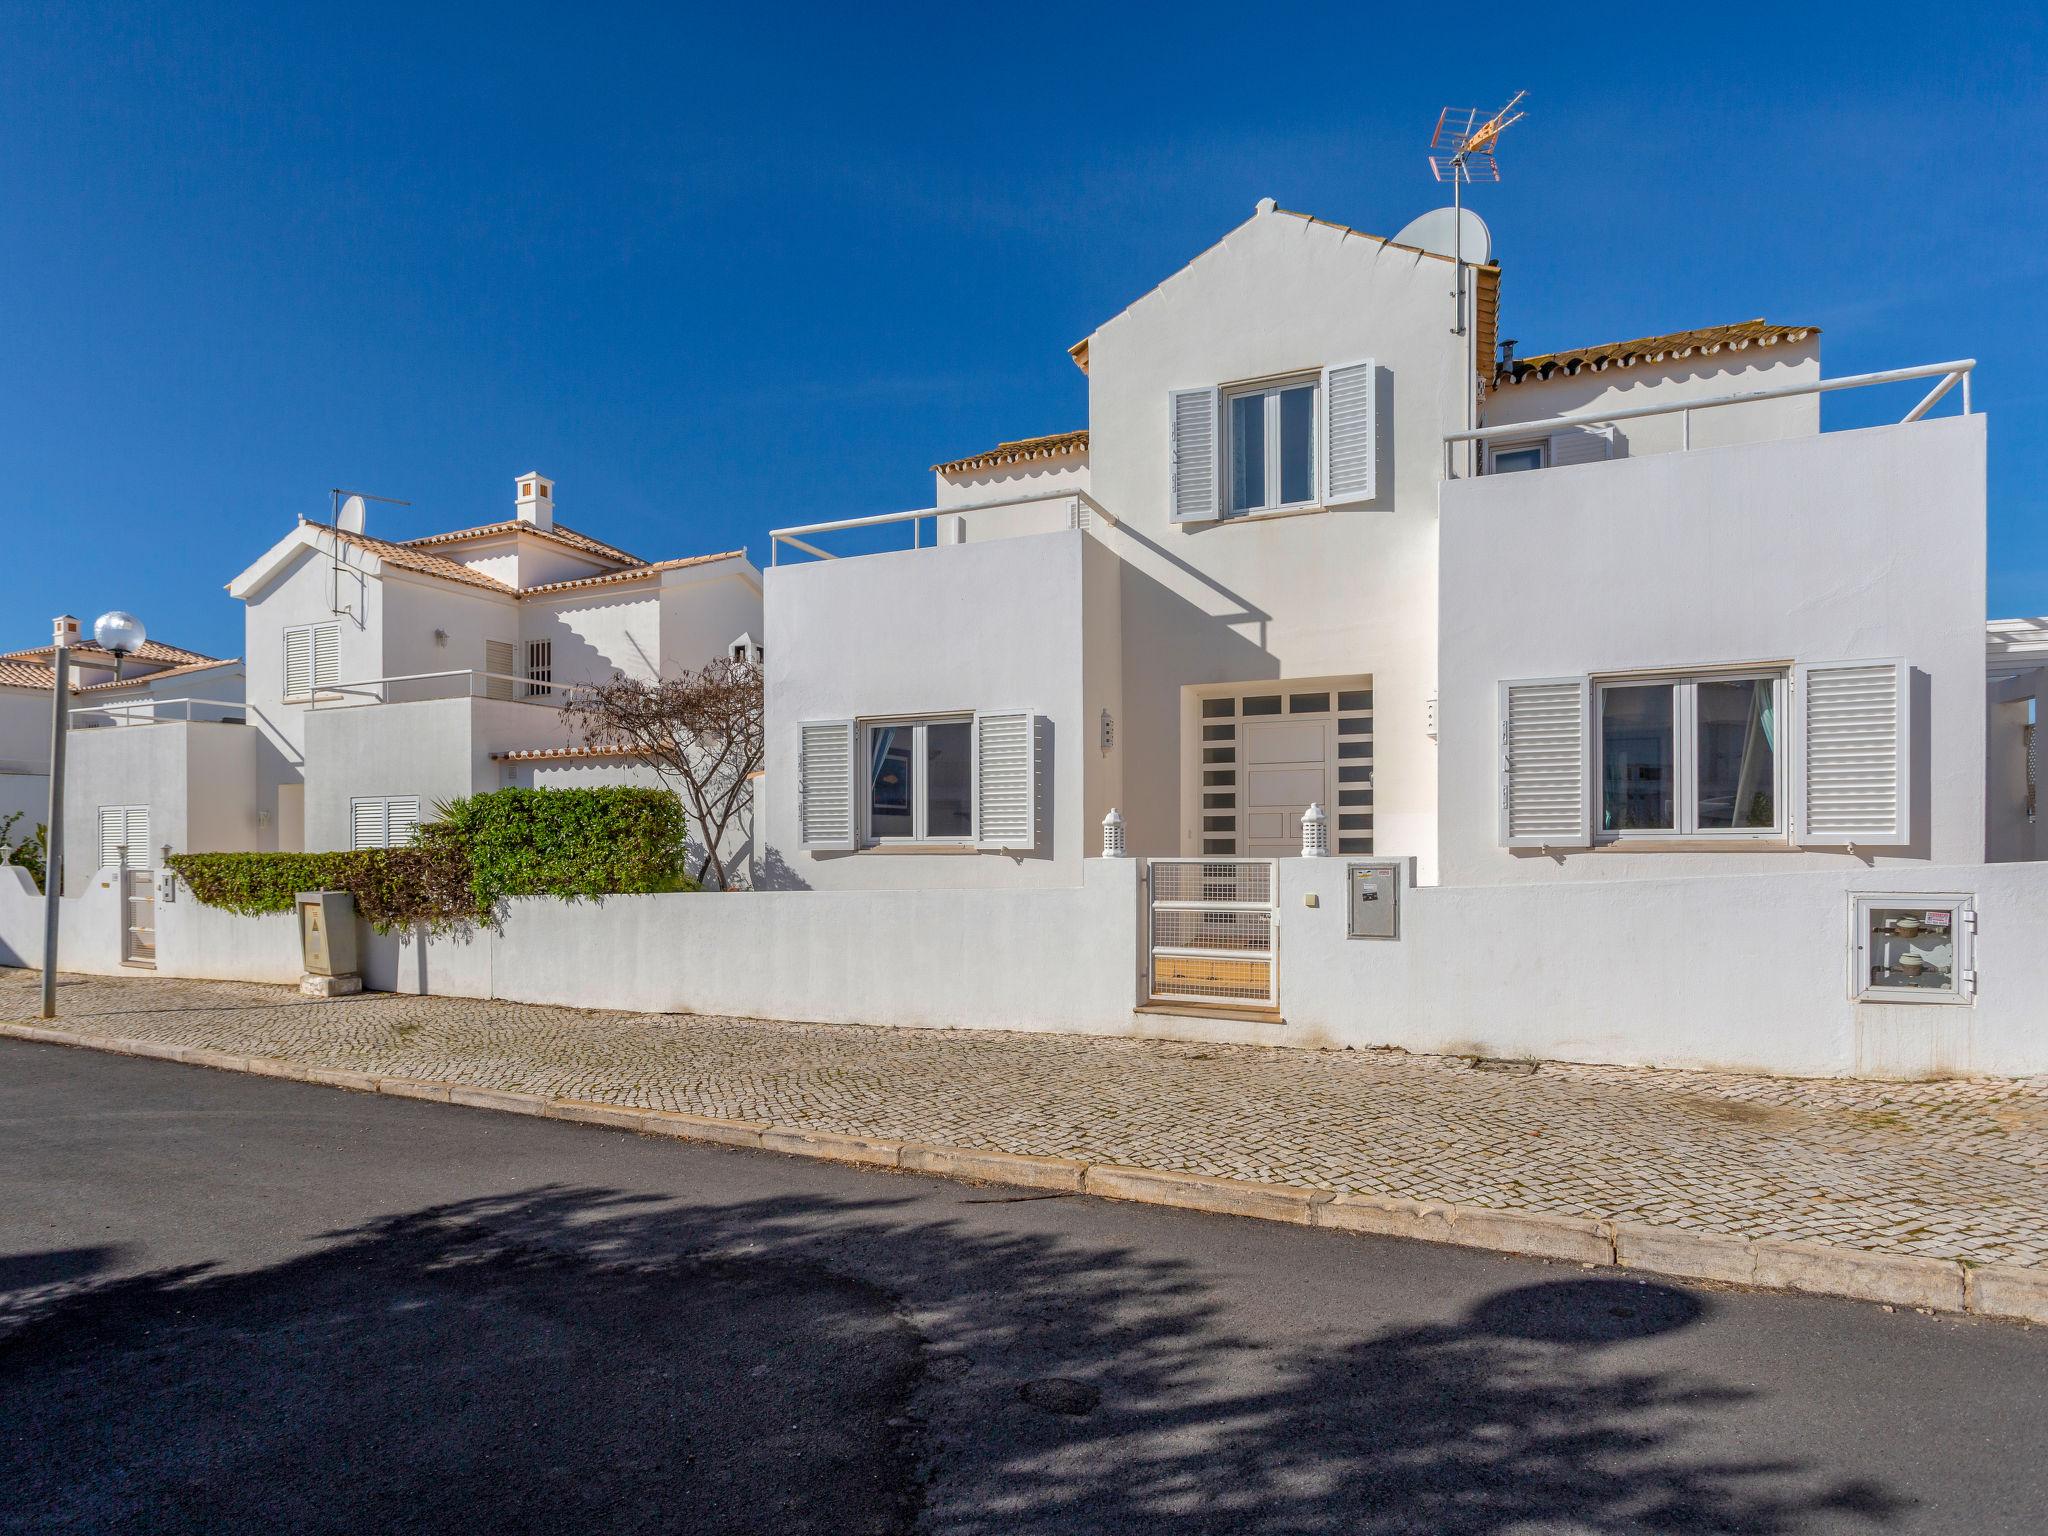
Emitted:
<point x="474" y="684"/>
<point x="156" y="708"/>
<point x="1214" y="932"/>
<point x="1950" y="375"/>
<point x="1083" y="507"/>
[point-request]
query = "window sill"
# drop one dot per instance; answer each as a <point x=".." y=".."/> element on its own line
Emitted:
<point x="1697" y="845"/>
<point x="924" y="848"/>
<point x="1262" y="515"/>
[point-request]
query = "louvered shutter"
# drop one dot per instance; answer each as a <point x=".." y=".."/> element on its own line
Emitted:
<point x="113" y="833"/>
<point x="401" y="820"/>
<point x="1195" y="476"/>
<point x="1546" y="763"/>
<point x="498" y="663"/>
<point x="1005" y="780"/>
<point x="1852" y="753"/>
<point x="367" y="824"/>
<point x="1350" y="433"/>
<point x="140" y="854"/>
<point x="298" y="663"/>
<point x="1581" y="445"/>
<point x="326" y="655"/>
<point x="825" y="796"/>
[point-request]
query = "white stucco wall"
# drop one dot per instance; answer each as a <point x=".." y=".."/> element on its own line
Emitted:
<point x="597" y="631"/>
<point x="198" y="780"/>
<point x="1837" y="547"/>
<point x="1000" y="625"/>
<point x="1338" y="593"/>
<point x="1008" y="484"/>
<point x="1691" y="378"/>
<point x="704" y="610"/>
<point x="24" y="730"/>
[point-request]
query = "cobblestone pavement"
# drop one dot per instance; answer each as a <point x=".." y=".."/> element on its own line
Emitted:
<point x="1954" y="1169"/>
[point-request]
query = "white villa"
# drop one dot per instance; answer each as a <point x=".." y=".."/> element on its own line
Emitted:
<point x="1348" y="681"/>
<point x="384" y="676"/>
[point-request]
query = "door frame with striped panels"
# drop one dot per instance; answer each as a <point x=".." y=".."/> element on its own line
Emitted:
<point x="1264" y="752"/>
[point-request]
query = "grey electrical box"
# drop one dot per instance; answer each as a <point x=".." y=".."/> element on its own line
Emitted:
<point x="327" y="932"/>
<point x="1373" y="905"/>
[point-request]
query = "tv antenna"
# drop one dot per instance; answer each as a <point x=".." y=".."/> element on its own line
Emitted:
<point x="1461" y="151"/>
<point x="345" y="513"/>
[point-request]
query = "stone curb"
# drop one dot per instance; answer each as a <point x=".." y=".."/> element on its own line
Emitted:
<point x="2008" y="1292"/>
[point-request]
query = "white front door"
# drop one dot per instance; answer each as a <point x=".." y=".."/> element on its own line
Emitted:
<point x="1285" y="767"/>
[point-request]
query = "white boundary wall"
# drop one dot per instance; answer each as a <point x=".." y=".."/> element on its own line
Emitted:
<point x="1744" y="972"/>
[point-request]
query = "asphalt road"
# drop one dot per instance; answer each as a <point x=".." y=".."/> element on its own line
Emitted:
<point x="232" y="1303"/>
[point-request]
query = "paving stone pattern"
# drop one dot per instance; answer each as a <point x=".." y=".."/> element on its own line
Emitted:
<point x="1953" y="1169"/>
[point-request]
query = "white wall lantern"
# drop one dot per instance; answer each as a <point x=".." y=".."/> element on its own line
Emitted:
<point x="1913" y="948"/>
<point x="1315" y="833"/>
<point x="1113" y="834"/>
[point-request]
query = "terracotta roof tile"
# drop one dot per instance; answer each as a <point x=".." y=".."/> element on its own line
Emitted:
<point x="563" y="754"/>
<point x="150" y="650"/>
<point x="1024" y="450"/>
<point x="151" y="677"/>
<point x="1624" y="354"/>
<point x="635" y="574"/>
<point x="420" y="561"/>
<point x="29" y="674"/>
<point x="562" y="534"/>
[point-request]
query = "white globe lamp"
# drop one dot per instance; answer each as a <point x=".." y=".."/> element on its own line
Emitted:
<point x="119" y="632"/>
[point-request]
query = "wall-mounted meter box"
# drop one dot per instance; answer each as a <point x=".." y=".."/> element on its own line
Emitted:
<point x="327" y="932"/>
<point x="1372" y="905"/>
<point x="1913" y="949"/>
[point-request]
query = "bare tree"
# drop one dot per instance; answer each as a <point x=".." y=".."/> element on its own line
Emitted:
<point x="701" y="731"/>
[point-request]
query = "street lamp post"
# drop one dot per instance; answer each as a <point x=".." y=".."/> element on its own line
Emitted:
<point x="121" y="633"/>
<point x="64" y="635"/>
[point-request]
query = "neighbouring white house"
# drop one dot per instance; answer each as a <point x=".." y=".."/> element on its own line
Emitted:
<point x="159" y="683"/>
<point x="384" y="676"/>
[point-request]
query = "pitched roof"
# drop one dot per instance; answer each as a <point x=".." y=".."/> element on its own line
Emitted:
<point x="149" y="650"/>
<point x="560" y="533"/>
<point x="1024" y="450"/>
<point x="634" y="574"/>
<point x="30" y="674"/>
<point x="422" y="562"/>
<point x="1651" y="349"/>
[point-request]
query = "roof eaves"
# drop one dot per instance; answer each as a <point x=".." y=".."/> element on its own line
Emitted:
<point x="1023" y="450"/>
<point x="1705" y="340"/>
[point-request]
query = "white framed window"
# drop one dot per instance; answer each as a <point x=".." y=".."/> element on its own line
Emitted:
<point x="540" y="668"/>
<point x="1913" y="948"/>
<point x="918" y="784"/>
<point x="383" y="821"/>
<point x="1510" y="458"/>
<point x="124" y="837"/>
<point x="312" y="659"/>
<point x="1690" y="756"/>
<point x="1270" y="446"/>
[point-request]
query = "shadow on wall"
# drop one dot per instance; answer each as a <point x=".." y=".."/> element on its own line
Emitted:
<point x="772" y="872"/>
<point x="460" y="1367"/>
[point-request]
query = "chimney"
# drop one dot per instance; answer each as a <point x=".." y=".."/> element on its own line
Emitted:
<point x="536" y="501"/>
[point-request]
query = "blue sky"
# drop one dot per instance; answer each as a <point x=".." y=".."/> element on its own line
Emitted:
<point x="718" y="272"/>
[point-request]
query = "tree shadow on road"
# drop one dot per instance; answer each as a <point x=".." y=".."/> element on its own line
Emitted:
<point x="559" y="1358"/>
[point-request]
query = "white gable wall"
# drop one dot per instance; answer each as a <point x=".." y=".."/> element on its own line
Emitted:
<point x="1040" y="477"/>
<point x="1319" y="594"/>
<point x="703" y="610"/>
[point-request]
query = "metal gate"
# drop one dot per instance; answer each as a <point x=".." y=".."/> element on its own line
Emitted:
<point x="138" y="916"/>
<point x="1215" y="932"/>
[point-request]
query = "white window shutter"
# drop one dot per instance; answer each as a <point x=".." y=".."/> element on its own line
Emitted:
<point x="401" y="820"/>
<point x="326" y="655"/>
<point x="367" y="824"/>
<point x="1852" y="753"/>
<point x="113" y="833"/>
<point x="1546" y="763"/>
<point x="298" y="663"/>
<point x="1581" y="445"/>
<point x="1350" y="433"/>
<point x="1195" y="474"/>
<point x="1005" y="779"/>
<point x="140" y="854"/>
<point x="825" y="795"/>
<point x="498" y="655"/>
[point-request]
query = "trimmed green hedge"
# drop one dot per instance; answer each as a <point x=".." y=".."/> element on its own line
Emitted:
<point x="613" y="840"/>
<point x="393" y="887"/>
<point x="569" y="843"/>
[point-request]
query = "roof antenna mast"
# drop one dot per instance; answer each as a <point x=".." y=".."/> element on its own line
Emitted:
<point x="347" y="516"/>
<point x="1461" y="151"/>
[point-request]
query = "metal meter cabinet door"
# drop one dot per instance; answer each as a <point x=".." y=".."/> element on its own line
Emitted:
<point x="327" y="932"/>
<point x="1373" y="899"/>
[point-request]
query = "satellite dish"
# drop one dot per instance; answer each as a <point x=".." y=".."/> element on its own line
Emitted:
<point x="1438" y="231"/>
<point x="351" y="518"/>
